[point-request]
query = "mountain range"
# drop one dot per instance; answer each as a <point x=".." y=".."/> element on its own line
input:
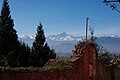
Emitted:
<point x="64" y="43"/>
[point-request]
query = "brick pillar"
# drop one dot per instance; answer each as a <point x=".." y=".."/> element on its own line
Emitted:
<point x="94" y="63"/>
<point x="85" y="64"/>
<point x="89" y="62"/>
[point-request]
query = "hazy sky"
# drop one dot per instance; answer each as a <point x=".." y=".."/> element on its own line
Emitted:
<point x="64" y="16"/>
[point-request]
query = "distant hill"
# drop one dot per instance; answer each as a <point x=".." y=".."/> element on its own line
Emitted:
<point x="64" y="43"/>
<point x="111" y="44"/>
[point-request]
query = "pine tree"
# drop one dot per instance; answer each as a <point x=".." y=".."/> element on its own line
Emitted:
<point x="13" y="52"/>
<point x="20" y="58"/>
<point x="48" y="53"/>
<point x="41" y="52"/>
<point x="25" y="53"/>
<point x="8" y="37"/>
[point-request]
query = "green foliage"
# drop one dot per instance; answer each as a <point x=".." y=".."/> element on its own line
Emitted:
<point x="103" y="55"/>
<point x="52" y="54"/>
<point x="8" y="37"/>
<point x="59" y="65"/>
<point x="16" y="54"/>
<point x="20" y="69"/>
<point x="19" y="57"/>
<point x="92" y="38"/>
<point x="12" y="52"/>
<point x="66" y="64"/>
<point x="41" y="52"/>
<point x="110" y="59"/>
<point x="3" y="61"/>
<point x="116" y="60"/>
<point x="23" y="57"/>
<point x="106" y="58"/>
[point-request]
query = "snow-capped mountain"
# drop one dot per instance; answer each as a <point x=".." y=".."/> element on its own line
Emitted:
<point x="64" y="43"/>
<point x="28" y="39"/>
<point x="62" y="37"/>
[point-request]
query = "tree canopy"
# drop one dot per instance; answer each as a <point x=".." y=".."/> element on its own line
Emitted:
<point x="11" y="49"/>
<point x="8" y="35"/>
<point x="41" y="52"/>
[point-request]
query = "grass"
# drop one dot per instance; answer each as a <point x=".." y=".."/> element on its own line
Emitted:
<point x="60" y="65"/>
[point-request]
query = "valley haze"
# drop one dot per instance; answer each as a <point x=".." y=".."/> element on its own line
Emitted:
<point x="64" y="43"/>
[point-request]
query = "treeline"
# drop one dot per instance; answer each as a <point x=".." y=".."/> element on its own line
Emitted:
<point x="15" y="53"/>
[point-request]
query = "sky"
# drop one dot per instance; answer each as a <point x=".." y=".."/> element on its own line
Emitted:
<point x="68" y="16"/>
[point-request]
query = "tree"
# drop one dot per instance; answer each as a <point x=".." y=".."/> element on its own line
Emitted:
<point x="116" y="60"/>
<point x="106" y="58"/>
<point x="41" y="52"/>
<point x="25" y="54"/>
<point x="48" y="53"/>
<point x="103" y="55"/>
<point x="92" y="38"/>
<point x="12" y="52"/>
<point x="19" y="57"/>
<point x="8" y="37"/>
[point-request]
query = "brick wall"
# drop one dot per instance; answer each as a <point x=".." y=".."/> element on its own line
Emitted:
<point x="103" y="72"/>
<point x="117" y="74"/>
<point x="86" y="66"/>
<point x="44" y="75"/>
<point x="74" y="73"/>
